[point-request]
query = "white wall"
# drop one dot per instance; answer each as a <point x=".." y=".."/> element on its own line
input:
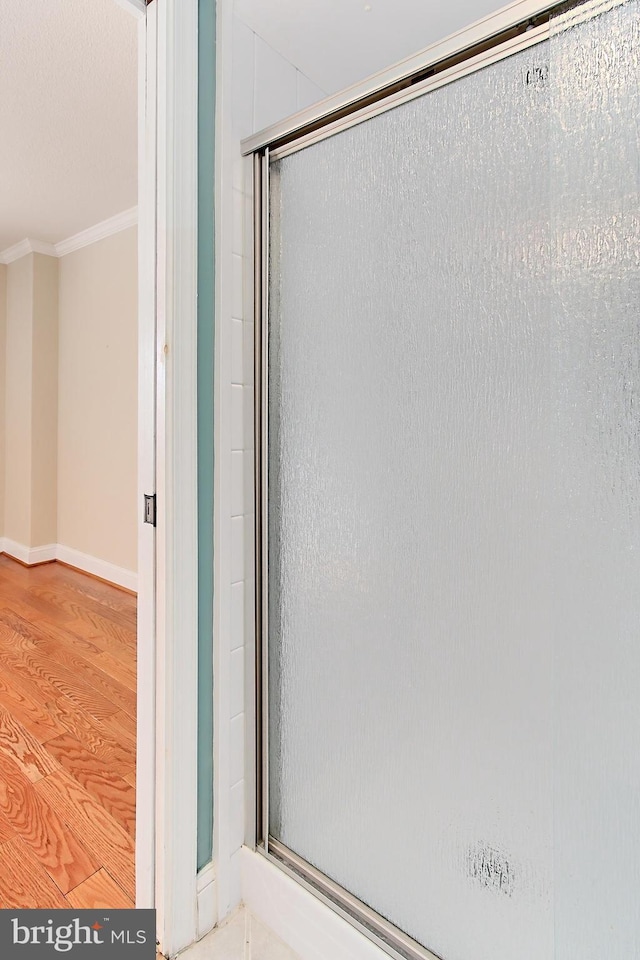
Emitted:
<point x="97" y="415"/>
<point x="337" y="44"/>
<point x="256" y="87"/>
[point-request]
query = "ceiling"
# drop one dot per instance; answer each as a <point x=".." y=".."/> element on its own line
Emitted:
<point x="68" y="116"/>
<point x="68" y="77"/>
<point x="339" y="42"/>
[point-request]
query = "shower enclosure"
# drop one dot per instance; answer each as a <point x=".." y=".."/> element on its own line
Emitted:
<point x="448" y="503"/>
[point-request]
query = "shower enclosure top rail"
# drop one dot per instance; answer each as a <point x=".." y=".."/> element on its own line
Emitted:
<point x="508" y="23"/>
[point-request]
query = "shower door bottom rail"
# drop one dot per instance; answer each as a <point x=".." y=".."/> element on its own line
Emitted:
<point x="382" y="932"/>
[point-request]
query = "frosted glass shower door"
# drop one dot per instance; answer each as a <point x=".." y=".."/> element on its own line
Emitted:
<point x="410" y="657"/>
<point x="453" y="497"/>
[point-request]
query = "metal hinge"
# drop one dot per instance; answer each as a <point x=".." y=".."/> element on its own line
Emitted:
<point x="150" y="508"/>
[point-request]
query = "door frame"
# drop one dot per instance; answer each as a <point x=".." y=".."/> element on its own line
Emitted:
<point x="176" y="607"/>
<point x="166" y="765"/>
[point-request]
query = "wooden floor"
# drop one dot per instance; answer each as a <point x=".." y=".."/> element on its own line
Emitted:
<point x="67" y="739"/>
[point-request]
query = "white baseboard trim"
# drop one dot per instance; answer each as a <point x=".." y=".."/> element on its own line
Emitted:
<point x="75" y="558"/>
<point x="309" y="927"/>
<point x="99" y="568"/>
<point x="29" y="555"/>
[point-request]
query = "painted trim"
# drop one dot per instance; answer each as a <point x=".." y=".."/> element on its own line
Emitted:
<point x="39" y="246"/>
<point x="98" y="568"/>
<point x="309" y="927"/>
<point x="146" y="827"/>
<point x="25" y="247"/>
<point x="207" y="899"/>
<point x="207" y="51"/>
<point x="106" y="228"/>
<point x="30" y="556"/>
<point x="176" y="461"/>
<point x="228" y="882"/>
<point x="137" y="8"/>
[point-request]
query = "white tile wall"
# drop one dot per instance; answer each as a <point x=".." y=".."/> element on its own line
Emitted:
<point x="237" y="348"/>
<point x="264" y="88"/>
<point x="237" y="615"/>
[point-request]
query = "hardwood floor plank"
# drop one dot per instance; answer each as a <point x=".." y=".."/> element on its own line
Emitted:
<point x="88" y="588"/>
<point x="67" y="739"/>
<point x="118" y="669"/>
<point x="51" y="841"/>
<point x="123" y="727"/>
<point x="111" y="791"/>
<point x="24" y="884"/>
<point x="73" y="605"/>
<point x="46" y="672"/>
<point x="94" y="737"/>
<point x="91" y="625"/>
<point x="85" y="670"/>
<point x="45" y="632"/>
<point x="30" y="604"/>
<point x="99" y="890"/>
<point x="15" y="632"/>
<point x="123" y="647"/>
<point x="19" y="699"/>
<point x="104" y="836"/>
<point x="6" y="830"/>
<point x="18" y="745"/>
<point x="22" y="673"/>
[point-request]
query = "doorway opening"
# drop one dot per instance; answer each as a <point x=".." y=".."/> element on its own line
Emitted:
<point x="69" y="438"/>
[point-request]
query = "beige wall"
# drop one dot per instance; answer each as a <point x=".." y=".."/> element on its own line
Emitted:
<point x="17" y="492"/>
<point x="97" y="400"/>
<point x="31" y="374"/>
<point x="3" y="383"/>
<point x="44" y="401"/>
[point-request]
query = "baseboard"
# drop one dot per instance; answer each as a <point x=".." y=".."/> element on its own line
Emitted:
<point x="30" y="556"/>
<point x="98" y="568"/>
<point x="102" y="569"/>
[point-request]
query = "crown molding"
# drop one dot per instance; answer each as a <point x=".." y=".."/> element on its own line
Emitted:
<point x="121" y="221"/>
<point x="136" y="7"/>
<point x="39" y="246"/>
<point x="27" y="246"/>
<point x="15" y="252"/>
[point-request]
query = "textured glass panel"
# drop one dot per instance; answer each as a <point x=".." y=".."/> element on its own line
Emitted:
<point x="595" y="196"/>
<point x="453" y="505"/>
<point x="410" y="694"/>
